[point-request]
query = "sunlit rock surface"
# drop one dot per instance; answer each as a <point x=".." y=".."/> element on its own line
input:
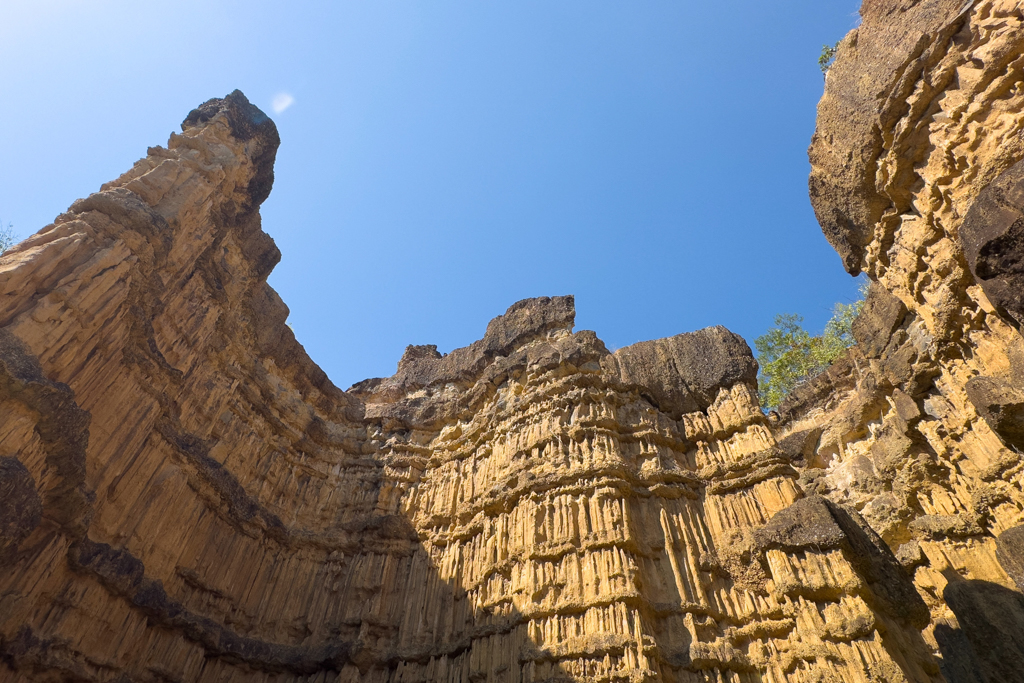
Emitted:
<point x="184" y="495"/>
<point x="917" y="181"/>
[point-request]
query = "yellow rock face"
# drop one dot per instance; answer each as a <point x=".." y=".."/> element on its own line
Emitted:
<point x="184" y="496"/>
<point x="915" y="181"/>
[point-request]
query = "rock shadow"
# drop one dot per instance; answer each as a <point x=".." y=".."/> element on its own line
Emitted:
<point x="988" y="646"/>
<point x="440" y="632"/>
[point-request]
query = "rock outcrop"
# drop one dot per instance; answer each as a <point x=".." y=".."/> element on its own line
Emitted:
<point x="917" y="181"/>
<point x="185" y="496"/>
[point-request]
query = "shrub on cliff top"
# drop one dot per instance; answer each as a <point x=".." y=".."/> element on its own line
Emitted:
<point x="788" y="354"/>
<point x="7" y="239"/>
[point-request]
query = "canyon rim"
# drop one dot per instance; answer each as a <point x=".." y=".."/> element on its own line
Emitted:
<point x="185" y="496"/>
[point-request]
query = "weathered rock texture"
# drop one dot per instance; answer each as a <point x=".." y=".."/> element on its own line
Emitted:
<point x="918" y="181"/>
<point x="184" y="496"/>
<point x="187" y="497"/>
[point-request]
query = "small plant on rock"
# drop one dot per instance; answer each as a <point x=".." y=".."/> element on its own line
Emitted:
<point x="828" y="55"/>
<point x="7" y="238"/>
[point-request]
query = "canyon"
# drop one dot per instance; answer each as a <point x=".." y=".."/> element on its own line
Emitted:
<point x="185" y="495"/>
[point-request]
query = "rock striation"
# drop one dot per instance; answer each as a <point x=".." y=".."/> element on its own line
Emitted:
<point x="185" y="496"/>
<point x="916" y="179"/>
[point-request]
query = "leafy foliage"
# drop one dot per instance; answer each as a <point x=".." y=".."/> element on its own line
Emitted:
<point x="7" y="238"/>
<point x="788" y="354"/>
<point x="828" y="53"/>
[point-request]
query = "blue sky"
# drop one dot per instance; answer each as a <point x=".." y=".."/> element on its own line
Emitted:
<point x="442" y="160"/>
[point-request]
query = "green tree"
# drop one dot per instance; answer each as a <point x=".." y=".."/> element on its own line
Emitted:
<point x="788" y="354"/>
<point x="828" y="54"/>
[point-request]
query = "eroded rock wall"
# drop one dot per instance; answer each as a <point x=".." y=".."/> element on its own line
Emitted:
<point x="916" y="180"/>
<point x="606" y="513"/>
<point x="184" y="496"/>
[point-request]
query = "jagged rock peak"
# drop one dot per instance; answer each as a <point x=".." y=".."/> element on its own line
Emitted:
<point x="247" y="124"/>
<point x="679" y="374"/>
<point x="523" y="322"/>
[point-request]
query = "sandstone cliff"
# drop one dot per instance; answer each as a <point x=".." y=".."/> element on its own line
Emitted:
<point x="184" y="495"/>
<point x="916" y="181"/>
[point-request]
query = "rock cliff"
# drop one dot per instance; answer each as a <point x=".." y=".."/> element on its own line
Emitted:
<point x="184" y="495"/>
<point x="916" y="180"/>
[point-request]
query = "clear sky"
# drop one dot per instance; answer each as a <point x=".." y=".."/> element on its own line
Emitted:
<point x="442" y="160"/>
